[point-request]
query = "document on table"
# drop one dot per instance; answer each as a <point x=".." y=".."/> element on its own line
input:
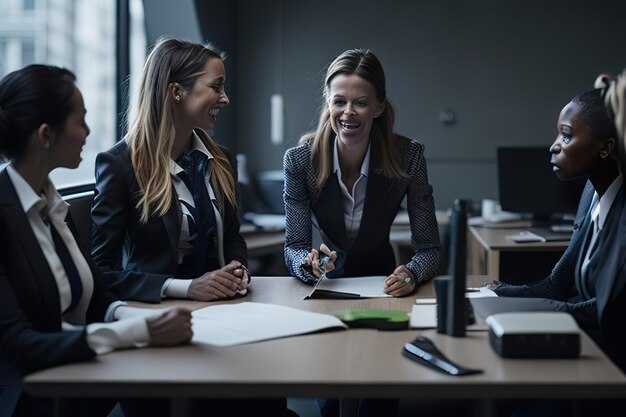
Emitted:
<point x="424" y="313"/>
<point x="487" y="307"/>
<point x="423" y="316"/>
<point x="235" y="324"/>
<point x="354" y="287"/>
<point x="482" y="292"/>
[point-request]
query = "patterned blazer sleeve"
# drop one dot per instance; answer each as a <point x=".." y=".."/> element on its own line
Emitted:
<point x="297" y="199"/>
<point x="421" y="207"/>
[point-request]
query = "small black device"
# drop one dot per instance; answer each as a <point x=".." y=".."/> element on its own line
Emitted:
<point x="423" y="350"/>
<point x="456" y="314"/>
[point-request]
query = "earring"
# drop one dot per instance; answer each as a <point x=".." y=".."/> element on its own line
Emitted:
<point x="604" y="154"/>
<point x="177" y="99"/>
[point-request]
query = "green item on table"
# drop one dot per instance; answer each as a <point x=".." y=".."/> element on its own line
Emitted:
<point x="374" y="319"/>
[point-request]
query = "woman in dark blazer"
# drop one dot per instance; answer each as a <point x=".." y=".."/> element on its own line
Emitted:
<point x="348" y="178"/>
<point x="53" y="307"/>
<point x="164" y="214"/>
<point x="589" y="281"/>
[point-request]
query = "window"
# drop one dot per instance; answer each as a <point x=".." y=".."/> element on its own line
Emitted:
<point x="79" y="35"/>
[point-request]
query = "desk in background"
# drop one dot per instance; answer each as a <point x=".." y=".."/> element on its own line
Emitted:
<point x="266" y="254"/>
<point x="265" y="249"/>
<point x="353" y="363"/>
<point x="400" y="237"/>
<point x="491" y="253"/>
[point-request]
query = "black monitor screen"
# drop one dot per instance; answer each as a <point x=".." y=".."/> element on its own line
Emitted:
<point x="527" y="183"/>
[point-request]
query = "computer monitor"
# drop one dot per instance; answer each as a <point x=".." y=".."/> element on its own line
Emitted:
<point x="527" y="184"/>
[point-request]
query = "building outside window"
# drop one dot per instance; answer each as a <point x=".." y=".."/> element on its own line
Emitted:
<point x="80" y="36"/>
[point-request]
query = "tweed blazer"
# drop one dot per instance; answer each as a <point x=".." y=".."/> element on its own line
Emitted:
<point x="370" y="253"/>
<point x="601" y="316"/>
<point x="136" y="259"/>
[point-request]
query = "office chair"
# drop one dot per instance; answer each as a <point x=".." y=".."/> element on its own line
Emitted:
<point x="79" y="199"/>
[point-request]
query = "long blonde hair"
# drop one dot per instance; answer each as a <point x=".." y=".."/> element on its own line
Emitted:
<point x="365" y="64"/>
<point x="151" y="134"/>
<point x="615" y="102"/>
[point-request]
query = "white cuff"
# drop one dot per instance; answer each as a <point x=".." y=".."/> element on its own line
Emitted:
<point x="176" y="288"/>
<point x="111" y="313"/>
<point x="125" y="311"/>
<point x="106" y="337"/>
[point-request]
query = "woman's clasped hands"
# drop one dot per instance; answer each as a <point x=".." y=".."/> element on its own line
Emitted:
<point x="225" y="282"/>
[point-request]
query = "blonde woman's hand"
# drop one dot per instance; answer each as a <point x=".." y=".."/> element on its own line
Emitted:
<point x="400" y="283"/>
<point x="221" y="283"/>
<point x="242" y="272"/>
<point x="313" y="259"/>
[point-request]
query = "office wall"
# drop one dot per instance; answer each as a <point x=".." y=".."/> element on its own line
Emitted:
<point x="182" y="19"/>
<point x="504" y="68"/>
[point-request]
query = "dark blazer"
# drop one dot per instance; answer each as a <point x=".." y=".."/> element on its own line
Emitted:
<point x="136" y="259"/>
<point x="30" y="315"/>
<point x="603" y="316"/>
<point x="370" y="253"/>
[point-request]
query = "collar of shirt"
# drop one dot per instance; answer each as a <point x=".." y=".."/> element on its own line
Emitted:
<point x="603" y="206"/>
<point x="365" y="166"/>
<point x="196" y="145"/>
<point x="29" y="199"/>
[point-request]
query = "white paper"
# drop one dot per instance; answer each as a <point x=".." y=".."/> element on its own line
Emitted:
<point x="235" y="324"/>
<point x="481" y="293"/>
<point x="366" y="287"/>
<point x="423" y="316"/>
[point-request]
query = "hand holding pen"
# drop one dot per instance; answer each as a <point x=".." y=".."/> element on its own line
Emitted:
<point x="313" y="259"/>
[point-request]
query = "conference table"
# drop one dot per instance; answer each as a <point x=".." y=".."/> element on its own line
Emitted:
<point x="347" y="364"/>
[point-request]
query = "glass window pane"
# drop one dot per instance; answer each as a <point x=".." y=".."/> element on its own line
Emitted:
<point x="78" y="35"/>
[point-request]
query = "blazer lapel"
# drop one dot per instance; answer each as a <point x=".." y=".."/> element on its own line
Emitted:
<point x="582" y="238"/>
<point x="378" y="190"/>
<point x="172" y="221"/>
<point x="49" y="293"/>
<point x="611" y="256"/>
<point x="328" y="210"/>
<point x="581" y="231"/>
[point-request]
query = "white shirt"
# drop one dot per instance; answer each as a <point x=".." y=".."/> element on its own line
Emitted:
<point x="353" y="200"/>
<point x="101" y="337"/>
<point x="178" y="288"/>
<point x="599" y="211"/>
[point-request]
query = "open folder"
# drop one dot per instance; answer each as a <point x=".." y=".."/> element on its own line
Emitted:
<point x="347" y="288"/>
<point x="235" y="324"/>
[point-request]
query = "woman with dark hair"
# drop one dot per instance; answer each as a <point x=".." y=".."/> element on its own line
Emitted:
<point x="584" y="280"/>
<point x="165" y="221"/>
<point x="348" y="179"/>
<point x="53" y="307"/>
<point x="589" y="281"/>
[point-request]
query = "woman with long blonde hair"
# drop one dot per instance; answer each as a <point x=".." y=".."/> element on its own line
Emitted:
<point x="164" y="214"/>
<point x="348" y="178"/>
